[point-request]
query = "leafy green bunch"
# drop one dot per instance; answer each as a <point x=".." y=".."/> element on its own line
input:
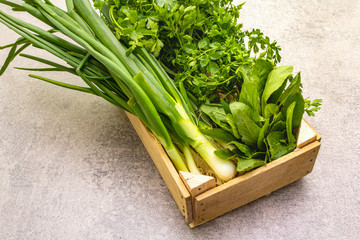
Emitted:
<point x="200" y="43"/>
<point x="259" y="127"/>
<point x="240" y="98"/>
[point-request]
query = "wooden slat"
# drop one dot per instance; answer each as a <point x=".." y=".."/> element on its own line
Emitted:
<point x="166" y="169"/>
<point x="255" y="184"/>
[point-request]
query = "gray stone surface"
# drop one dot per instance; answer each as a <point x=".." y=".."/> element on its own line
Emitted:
<point x="72" y="167"/>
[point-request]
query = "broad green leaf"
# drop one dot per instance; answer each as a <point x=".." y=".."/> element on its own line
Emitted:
<point x="271" y="109"/>
<point x="217" y="115"/>
<point x="299" y="108"/>
<point x="249" y="95"/>
<point x="289" y="118"/>
<point x="247" y="110"/>
<point x="259" y="155"/>
<point x="267" y="153"/>
<point x="264" y="131"/>
<point x="231" y="121"/>
<point x="243" y="148"/>
<point x="260" y="72"/>
<point x="278" y="117"/>
<point x="219" y="134"/>
<point x="275" y="80"/>
<point x="277" y="147"/>
<point x="225" y="153"/>
<point x="247" y="128"/>
<point x="225" y="106"/>
<point x="293" y="88"/>
<point x="278" y="126"/>
<point x="245" y="165"/>
<point x="276" y="95"/>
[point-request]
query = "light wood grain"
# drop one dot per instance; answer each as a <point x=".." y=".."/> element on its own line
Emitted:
<point x="306" y="134"/>
<point x="255" y="184"/>
<point x="166" y="168"/>
<point x="197" y="183"/>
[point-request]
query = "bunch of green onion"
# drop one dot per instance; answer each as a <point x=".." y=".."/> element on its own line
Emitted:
<point x="136" y="83"/>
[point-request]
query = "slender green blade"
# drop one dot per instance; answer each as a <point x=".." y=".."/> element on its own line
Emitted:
<point x="12" y="54"/>
<point x="64" y="85"/>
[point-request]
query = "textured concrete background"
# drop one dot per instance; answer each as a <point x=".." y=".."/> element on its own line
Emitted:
<point x="72" y="167"/>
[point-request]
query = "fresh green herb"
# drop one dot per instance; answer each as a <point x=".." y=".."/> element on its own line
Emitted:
<point x="200" y="43"/>
<point x="312" y="106"/>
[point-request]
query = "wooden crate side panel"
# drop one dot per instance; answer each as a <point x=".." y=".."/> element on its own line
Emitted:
<point x="166" y="168"/>
<point x="255" y="184"/>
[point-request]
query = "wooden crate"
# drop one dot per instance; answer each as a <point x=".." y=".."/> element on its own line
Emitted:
<point x="197" y="196"/>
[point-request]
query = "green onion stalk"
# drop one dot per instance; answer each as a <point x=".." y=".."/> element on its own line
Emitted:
<point x="134" y="82"/>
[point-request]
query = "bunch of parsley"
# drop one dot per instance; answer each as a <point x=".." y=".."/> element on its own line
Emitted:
<point x="200" y="43"/>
